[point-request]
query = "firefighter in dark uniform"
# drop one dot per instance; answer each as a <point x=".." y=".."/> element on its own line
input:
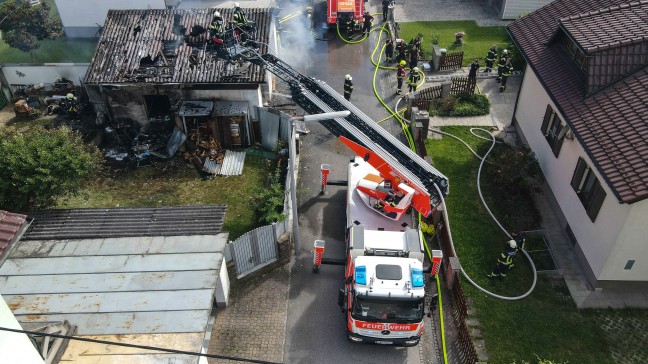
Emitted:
<point x="490" y="58"/>
<point x="501" y="64"/>
<point x="400" y="75"/>
<point x="366" y="23"/>
<point x="400" y="50"/>
<point x="348" y="87"/>
<point x="216" y="28"/>
<point x="389" y="49"/>
<point x="505" y="260"/>
<point x="413" y="79"/>
<point x="506" y="72"/>
<point x="348" y="25"/>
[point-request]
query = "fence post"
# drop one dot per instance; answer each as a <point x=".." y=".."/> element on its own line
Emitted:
<point x="446" y="88"/>
<point x="454" y="267"/>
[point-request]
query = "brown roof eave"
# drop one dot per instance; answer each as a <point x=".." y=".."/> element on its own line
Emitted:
<point x="571" y="124"/>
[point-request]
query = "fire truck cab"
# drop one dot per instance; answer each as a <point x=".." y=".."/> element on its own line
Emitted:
<point x="341" y="10"/>
<point x="384" y="293"/>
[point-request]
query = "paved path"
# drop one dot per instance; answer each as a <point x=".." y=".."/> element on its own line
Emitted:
<point x="253" y="326"/>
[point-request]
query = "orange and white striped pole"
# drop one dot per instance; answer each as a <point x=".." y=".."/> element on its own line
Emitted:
<point x="326" y="169"/>
<point x="318" y="252"/>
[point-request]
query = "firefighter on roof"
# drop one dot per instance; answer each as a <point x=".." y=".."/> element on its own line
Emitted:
<point x="505" y="260"/>
<point x="216" y="28"/>
<point x="348" y="87"/>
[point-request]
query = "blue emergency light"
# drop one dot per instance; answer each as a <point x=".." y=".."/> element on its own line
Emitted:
<point x="417" y="277"/>
<point x="361" y="274"/>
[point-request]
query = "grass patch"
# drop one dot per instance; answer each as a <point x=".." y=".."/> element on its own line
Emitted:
<point x="61" y="50"/>
<point x="460" y="105"/>
<point x="543" y="325"/>
<point x="477" y="40"/>
<point x="173" y="183"/>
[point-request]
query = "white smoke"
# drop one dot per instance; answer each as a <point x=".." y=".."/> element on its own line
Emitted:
<point x="296" y="40"/>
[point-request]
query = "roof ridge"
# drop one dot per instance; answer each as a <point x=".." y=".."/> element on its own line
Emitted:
<point x="604" y="10"/>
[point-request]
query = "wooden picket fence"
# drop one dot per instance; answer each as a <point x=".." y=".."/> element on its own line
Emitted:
<point x="462" y="85"/>
<point x="451" y="61"/>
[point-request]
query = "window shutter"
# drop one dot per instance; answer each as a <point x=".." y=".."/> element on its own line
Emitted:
<point x="558" y="142"/>
<point x="597" y="201"/>
<point x="545" y="121"/>
<point x="578" y="173"/>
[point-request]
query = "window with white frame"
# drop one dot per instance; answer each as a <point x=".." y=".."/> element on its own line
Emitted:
<point x="588" y="188"/>
<point x="552" y="128"/>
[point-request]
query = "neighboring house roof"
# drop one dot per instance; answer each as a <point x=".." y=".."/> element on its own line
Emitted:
<point x="130" y="36"/>
<point x="156" y="291"/>
<point x="121" y="222"/>
<point x="611" y="124"/>
<point x="11" y="226"/>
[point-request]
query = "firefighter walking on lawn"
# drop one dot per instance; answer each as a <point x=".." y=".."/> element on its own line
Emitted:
<point x="400" y="75"/>
<point x="490" y="58"/>
<point x="505" y="260"/>
<point x="413" y="79"/>
<point x="348" y="87"/>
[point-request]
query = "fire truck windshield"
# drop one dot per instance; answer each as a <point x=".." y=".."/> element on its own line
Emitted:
<point x="387" y="310"/>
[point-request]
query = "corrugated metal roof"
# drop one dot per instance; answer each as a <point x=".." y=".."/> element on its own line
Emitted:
<point x="145" y="285"/>
<point x="232" y="163"/>
<point x="229" y="108"/>
<point x="122" y="222"/>
<point x="11" y="225"/>
<point x="129" y="36"/>
<point x="612" y="125"/>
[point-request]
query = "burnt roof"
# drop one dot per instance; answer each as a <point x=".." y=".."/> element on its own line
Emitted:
<point x="611" y="124"/>
<point x="126" y="222"/>
<point x="132" y="39"/>
<point x="609" y="27"/>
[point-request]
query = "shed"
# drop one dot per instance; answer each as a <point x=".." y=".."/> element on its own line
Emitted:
<point x="148" y="61"/>
<point x="132" y="285"/>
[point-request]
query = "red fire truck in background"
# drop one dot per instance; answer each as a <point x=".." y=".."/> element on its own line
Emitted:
<point x="339" y="11"/>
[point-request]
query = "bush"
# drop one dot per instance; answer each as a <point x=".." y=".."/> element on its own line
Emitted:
<point x="270" y="200"/>
<point x="39" y="166"/>
<point x="435" y="38"/>
<point x="461" y="105"/>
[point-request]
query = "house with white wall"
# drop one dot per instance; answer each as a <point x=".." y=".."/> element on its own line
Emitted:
<point x="583" y="110"/>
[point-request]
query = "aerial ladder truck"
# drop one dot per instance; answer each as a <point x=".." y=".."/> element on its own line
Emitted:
<point x="384" y="291"/>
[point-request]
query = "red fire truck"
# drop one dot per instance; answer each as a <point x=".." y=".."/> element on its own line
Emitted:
<point x="384" y="293"/>
<point x="338" y="11"/>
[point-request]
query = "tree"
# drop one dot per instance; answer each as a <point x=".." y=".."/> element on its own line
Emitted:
<point x="23" y="26"/>
<point x="42" y="165"/>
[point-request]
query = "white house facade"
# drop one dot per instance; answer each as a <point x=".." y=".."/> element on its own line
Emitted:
<point x="611" y="247"/>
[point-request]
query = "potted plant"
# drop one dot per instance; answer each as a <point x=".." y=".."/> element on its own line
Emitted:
<point x="459" y="37"/>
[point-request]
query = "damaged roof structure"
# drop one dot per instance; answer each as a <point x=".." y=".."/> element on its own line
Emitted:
<point x="163" y="46"/>
<point x="146" y="58"/>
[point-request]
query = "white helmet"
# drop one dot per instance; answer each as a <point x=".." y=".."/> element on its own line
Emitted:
<point x="415" y="69"/>
<point x="505" y="51"/>
<point x="348" y="77"/>
<point x="237" y="5"/>
<point x="217" y="13"/>
<point x="512" y="244"/>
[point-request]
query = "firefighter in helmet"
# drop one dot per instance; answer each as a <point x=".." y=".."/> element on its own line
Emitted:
<point x="348" y="86"/>
<point x="505" y="261"/>
<point x="216" y="27"/>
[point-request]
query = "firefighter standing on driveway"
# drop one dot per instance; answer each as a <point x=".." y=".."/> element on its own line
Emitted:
<point x="366" y="20"/>
<point x="413" y="79"/>
<point x="389" y="50"/>
<point x="500" y="65"/>
<point x="400" y="75"/>
<point x="490" y="58"/>
<point x="506" y="72"/>
<point x="348" y="87"/>
<point x="505" y="260"/>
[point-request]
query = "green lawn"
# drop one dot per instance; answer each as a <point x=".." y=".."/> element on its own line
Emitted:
<point x="177" y="183"/>
<point x="546" y="324"/>
<point x="477" y="40"/>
